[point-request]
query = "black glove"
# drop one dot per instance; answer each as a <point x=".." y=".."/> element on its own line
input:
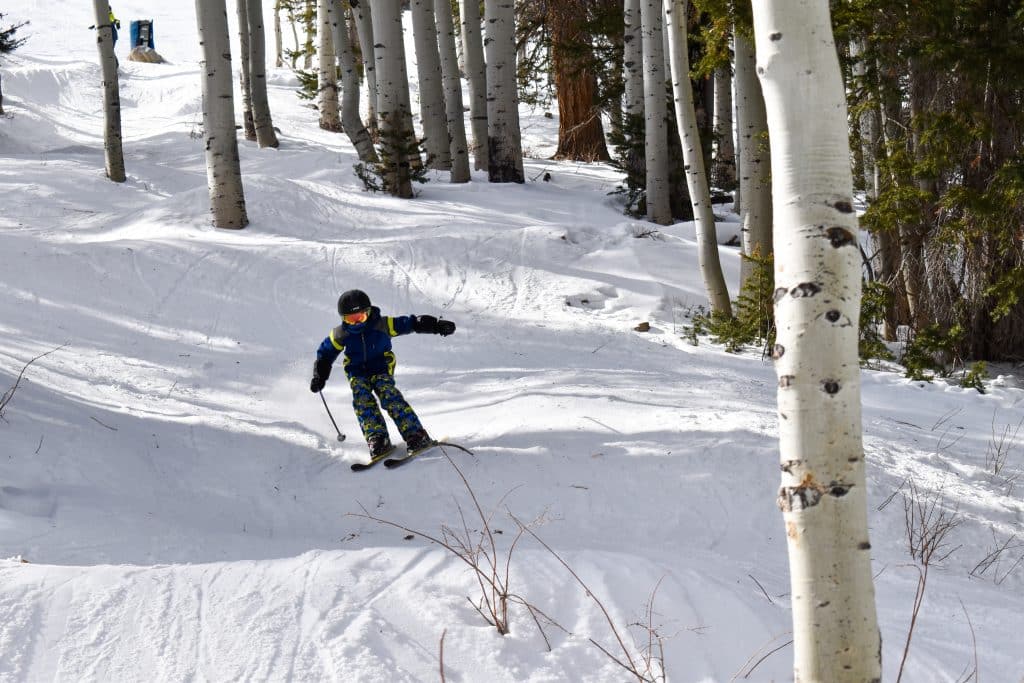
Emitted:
<point x="321" y="371"/>
<point x="428" y="324"/>
<point x="117" y="23"/>
<point x="424" y="324"/>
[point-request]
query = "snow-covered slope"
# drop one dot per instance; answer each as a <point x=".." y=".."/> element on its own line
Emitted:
<point x="184" y="511"/>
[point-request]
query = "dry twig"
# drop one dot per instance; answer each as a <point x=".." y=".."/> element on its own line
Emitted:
<point x="441" y="653"/>
<point x="9" y="394"/>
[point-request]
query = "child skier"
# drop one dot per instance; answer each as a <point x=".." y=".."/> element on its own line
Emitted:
<point x="365" y="337"/>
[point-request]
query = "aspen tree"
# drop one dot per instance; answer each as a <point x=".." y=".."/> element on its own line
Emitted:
<point x="395" y="116"/>
<point x="476" y="79"/>
<point x="244" y="71"/>
<point x="261" y="119"/>
<point x="823" y="494"/>
<point x="223" y="174"/>
<point x="754" y="157"/>
<point x="504" y="149"/>
<point x="452" y="91"/>
<point x="327" y="74"/>
<point x="278" y="43"/>
<point x="362" y="14"/>
<point x="113" y="152"/>
<point x="655" y="113"/>
<point x="351" y="122"/>
<point x="431" y="92"/>
<point x="693" y="158"/>
<point x="725" y="149"/>
<point x="867" y="121"/>
<point x="309" y="21"/>
<point x="633" y="59"/>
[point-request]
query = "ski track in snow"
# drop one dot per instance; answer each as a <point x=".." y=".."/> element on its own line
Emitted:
<point x="187" y="515"/>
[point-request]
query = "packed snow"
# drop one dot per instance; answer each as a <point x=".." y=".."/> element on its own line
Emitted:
<point x="174" y="502"/>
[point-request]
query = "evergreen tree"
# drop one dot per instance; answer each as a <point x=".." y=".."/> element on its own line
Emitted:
<point x="944" y="82"/>
<point x="9" y="43"/>
<point x="580" y="133"/>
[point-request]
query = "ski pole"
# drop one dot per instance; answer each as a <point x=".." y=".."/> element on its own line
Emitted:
<point x="341" y="437"/>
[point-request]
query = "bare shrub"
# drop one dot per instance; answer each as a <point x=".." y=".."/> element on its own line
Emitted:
<point x="995" y="561"/>
<point x="492" y="570"/>
<point x="928" y="523"/>
<point x="480" y="554"/>
<point x="1001" y="444"/>
<point x="652" y="655"/>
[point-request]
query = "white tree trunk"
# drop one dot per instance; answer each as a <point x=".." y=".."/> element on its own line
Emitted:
<point x="224" y="176"/>
<point x="754" y="158"/>
<point x="693" y="159"/>
<point x="823" y="494"/>
<point x="452" y="91"/>
<point x="362" y="14"/>
<point x="476" y="78"/>
<point x="293" y="21"/>
<point x="327" y="74"/>
<point x="261" y="119"/>
<point x="633" y="60"/>
<point x="504" y="148"/>
<point x="428" y="70"/>
<point x="113" y="153"/>
<point x="244" y="72"/>
<point x="278" y="43"/>
<point x="309" y="22"/>
<point x="389" y="57"/>
<point x="395" y="116"/>
<point x="351" y="122"/>
<point x="655" y="109"/>
<point x="868" y="128"/>
<point x="725" y="148"/>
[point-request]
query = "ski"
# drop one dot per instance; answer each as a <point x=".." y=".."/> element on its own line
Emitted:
<point x="360" y="466"/>
<point x="392" y="463"/>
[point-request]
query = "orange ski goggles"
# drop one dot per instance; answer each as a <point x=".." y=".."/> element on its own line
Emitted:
<point x="357" y="317"/>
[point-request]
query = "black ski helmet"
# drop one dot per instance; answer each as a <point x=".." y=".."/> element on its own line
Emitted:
<point x="353" y="301"/>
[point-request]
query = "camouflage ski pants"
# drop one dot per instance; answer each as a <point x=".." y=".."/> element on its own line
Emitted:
<point x="371" y="421"/>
